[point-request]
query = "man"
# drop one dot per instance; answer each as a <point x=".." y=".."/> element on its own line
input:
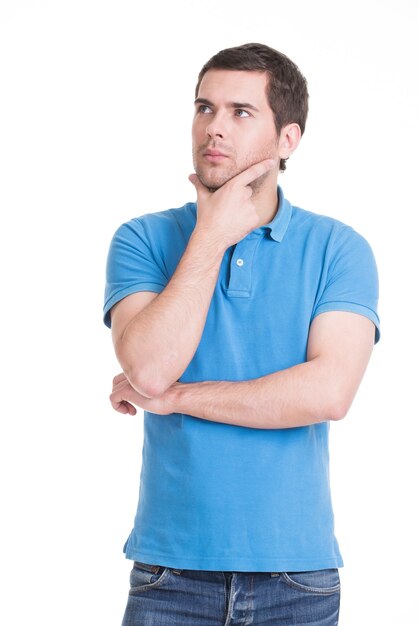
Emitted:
<point x="243" y="326"/>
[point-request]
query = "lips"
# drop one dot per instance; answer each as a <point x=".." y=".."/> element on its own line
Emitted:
<point x="214" y="156"/>
<point x="214" y="153"/>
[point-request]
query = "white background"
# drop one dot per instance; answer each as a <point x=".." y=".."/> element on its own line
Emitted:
<point x="95" y="118"/>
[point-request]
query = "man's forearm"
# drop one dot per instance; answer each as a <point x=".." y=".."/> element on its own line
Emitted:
<point x="321" y="389"/>
<point x="297" y="396"/>
<point x="159" y="343"/>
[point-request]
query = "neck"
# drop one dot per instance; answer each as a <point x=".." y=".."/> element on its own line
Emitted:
<point x="266" y="202"/>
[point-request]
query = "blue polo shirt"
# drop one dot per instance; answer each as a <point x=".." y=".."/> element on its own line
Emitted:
<point x="220" y="497"/>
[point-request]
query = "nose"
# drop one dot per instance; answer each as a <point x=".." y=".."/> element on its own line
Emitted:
<point x="216" y="128"/>
<point x="214" y="132"/>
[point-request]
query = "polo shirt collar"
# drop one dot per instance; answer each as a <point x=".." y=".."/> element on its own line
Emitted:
<point x="280" y="222"/>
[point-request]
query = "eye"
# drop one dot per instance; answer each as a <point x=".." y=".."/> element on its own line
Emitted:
<point x="203" y="108"/>
<point x="241" y="113"/>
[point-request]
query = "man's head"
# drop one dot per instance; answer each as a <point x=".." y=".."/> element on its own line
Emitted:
<point x="270" y="126"/>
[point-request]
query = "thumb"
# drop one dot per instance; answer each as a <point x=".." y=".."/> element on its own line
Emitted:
<point x="200" y="188"/>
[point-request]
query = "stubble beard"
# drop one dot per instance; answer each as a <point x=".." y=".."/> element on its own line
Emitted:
<point x="216" y="179"/>
<point x="213" y="184"/>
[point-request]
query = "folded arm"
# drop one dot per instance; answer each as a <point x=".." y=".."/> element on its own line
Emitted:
<point x="320" y="389"/>
<point x="156" y="336"/>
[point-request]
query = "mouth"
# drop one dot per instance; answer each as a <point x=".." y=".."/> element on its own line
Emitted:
<point x="214" y="155"/>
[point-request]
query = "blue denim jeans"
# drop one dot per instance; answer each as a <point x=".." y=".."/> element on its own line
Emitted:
<point x="162" y="596"/>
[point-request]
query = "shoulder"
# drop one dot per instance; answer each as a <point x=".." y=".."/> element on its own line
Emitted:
<point x="160" y="224"/>
<point x="317" y="221"/>
<point x="332" y="232"/>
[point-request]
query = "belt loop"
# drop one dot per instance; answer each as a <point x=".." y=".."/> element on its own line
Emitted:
<point x="177" y="571"/>
<point x="274" y="574"/>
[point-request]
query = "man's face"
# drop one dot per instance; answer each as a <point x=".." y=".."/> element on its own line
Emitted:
<point x="233" y="126"/>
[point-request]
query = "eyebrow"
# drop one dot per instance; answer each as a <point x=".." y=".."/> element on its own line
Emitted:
<point x="234" y="105"/>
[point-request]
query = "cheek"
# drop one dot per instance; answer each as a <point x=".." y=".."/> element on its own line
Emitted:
<point x="271" y="145"/>
<point x="199" y="127"/>
<point x="253" y="152"/>
<point x="194" y="132"/>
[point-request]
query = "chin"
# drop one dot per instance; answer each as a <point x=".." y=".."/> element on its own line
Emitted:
<point x="214" y="180"/>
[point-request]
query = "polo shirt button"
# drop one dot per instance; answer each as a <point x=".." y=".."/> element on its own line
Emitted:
<point x="240" y="262"/>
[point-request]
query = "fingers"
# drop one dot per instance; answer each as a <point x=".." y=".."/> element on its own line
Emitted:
<point x="127" y="407"/>
<point x="124" y="407"/>
<point x="200" y="188"/>
<point x="120" y="385"/>
<point x="117" y="379"/>
<point x="194" y="179"/>
<point x="254" y="171"/>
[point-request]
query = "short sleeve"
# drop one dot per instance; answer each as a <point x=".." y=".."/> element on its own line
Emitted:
<point x="131" y="266"/>
<point x="352" y="282"/>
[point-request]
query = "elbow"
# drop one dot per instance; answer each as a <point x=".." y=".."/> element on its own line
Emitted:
<point x="337" y="397"/>
<point x="146" y="384"/>
<point x="145" y="377"/>
<point x="337" y="413"/>
<point x="140" y="377"/>
<point x="338" y="409"/>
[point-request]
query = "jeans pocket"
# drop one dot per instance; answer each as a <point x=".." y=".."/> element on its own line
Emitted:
<point x="144" y="577"/>
<point x="320" y="582"/>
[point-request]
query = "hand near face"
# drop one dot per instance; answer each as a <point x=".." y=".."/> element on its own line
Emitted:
<point x="229" y="213"/>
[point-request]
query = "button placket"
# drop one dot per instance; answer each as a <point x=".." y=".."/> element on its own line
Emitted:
<point x="241" y="267"/>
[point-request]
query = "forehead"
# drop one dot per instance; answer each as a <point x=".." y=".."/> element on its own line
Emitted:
<point x="235" y="86"/>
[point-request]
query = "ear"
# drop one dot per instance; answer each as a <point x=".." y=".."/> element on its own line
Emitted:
<point x="289" y="138"/>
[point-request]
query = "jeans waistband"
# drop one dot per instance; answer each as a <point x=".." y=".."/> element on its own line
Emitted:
<point x="156" y="569"/>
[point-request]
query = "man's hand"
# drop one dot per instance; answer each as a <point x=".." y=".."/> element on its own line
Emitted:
<point x="124" y="396"/>
<point x="229" y="213"/>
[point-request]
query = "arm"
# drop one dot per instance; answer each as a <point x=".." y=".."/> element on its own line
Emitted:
<point x="155" y="343"/>
<point x="321" y="389"/>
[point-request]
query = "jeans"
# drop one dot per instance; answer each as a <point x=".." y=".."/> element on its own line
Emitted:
<point x="163" y="596"/>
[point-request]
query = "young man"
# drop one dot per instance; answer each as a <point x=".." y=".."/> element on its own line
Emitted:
<point x="243" y="326"/>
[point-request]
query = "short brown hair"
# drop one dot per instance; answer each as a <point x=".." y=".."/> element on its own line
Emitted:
<point x="287" y="90"/>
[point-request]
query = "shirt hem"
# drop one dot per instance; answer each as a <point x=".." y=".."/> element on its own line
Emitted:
<point x="242" y="564"/>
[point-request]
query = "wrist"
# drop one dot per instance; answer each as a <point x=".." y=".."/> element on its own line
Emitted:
<point x="176" y="397"/>
<point x="204" y="237"/>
